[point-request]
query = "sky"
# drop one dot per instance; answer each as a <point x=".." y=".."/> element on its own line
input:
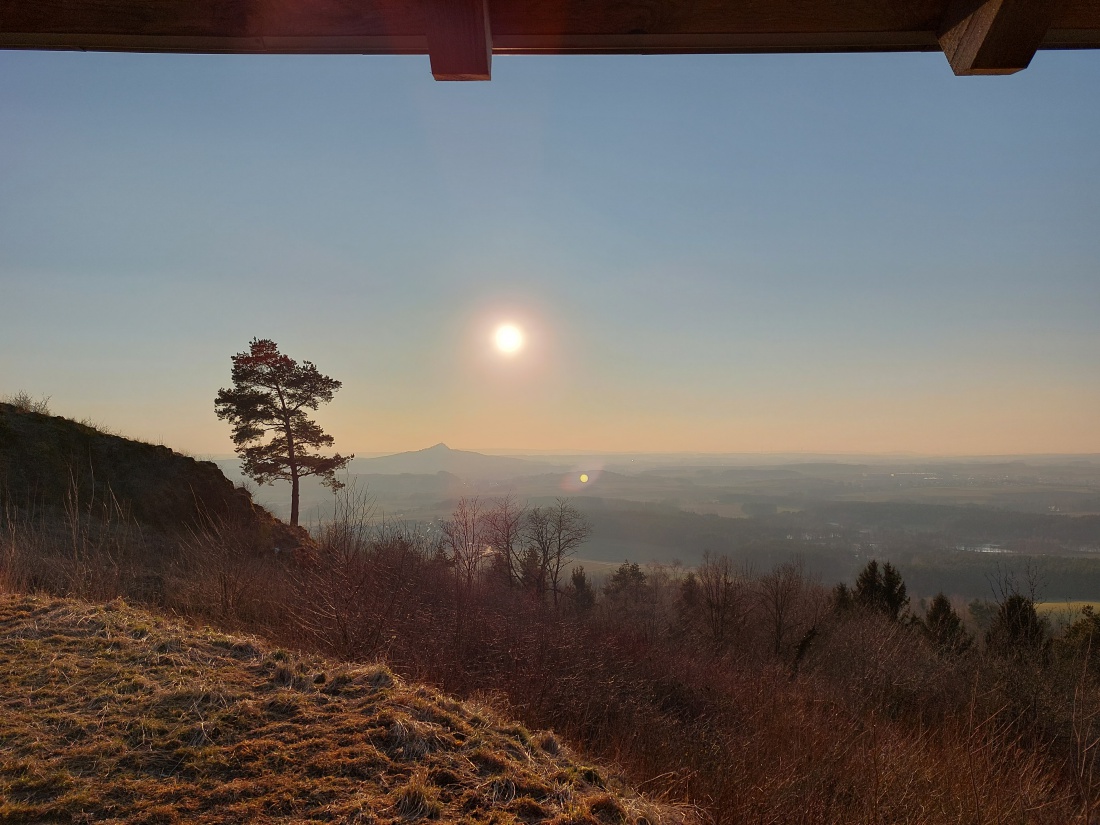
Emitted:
<point x="714" y="253"/>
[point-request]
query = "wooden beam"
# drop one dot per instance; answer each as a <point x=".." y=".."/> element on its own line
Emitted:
<point x="460" y="44"/>
<point x="535" y="27"/>
<point x="981" y="37"/>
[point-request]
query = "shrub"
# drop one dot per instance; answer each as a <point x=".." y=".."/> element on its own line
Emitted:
<point x="25" y="402"/>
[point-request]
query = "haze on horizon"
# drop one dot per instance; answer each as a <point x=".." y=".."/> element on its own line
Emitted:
<point x="714" y="254"/>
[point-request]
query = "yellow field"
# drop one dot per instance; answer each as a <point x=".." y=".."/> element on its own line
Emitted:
<point x="1064" y="611"/>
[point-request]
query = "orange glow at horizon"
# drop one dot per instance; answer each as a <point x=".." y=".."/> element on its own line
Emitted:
<point x="554" y="416"/>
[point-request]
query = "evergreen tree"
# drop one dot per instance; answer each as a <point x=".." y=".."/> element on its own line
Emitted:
<point x="628" y="579"/>
<point x="894" y="598"/>
<point x="943" y="627"/>
<point x="868" y="589"/>
<point x="270" y="395"/>
<point x="842" y="598"/>
<point x="1081" y="640"/>
<point x="581" y="589"/>
<point x="1017" y="631"/>
<point x="881" y="589"/>
<point x="532" y="573"/>
<point x="690" y="598"/>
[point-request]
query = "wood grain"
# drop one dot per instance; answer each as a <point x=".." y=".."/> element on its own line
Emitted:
<point x="981" y="37"/>
<point x="530" y="27"/>
<point x="460" y="43"/>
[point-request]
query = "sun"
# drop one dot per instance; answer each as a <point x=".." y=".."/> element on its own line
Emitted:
<point x="509" y="339"/>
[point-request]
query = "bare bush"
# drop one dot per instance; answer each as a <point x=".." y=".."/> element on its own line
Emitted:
<point x="25" y="402"/>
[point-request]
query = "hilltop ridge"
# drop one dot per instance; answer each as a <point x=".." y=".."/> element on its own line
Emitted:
<point x="114" y="714"/>
<point x="49" y="463"/>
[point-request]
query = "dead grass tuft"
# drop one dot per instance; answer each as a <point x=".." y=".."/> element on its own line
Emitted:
<point x="607" y="810"/>
<point x="417" y="800"/>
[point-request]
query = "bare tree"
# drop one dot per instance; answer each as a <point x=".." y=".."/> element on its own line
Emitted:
<point x="539" y="543"/>
<point x="503" y="530"/>
<point x="554" y="533"/>
<point x="569" y="529"/>
<point x="465" y="540"/>
<point x="720" y="598"/>
<point x="779" y="593"/>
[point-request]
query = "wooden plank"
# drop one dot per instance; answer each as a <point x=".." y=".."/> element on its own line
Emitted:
<point x="216" y="45"/>
<point x="678" y="17"/>
<point x="982" y="37"/>
<point x="885" y="42"/>
<point x="460" y="43"/>
<point x="709" y="43"/>
<point x="523" y="26"/>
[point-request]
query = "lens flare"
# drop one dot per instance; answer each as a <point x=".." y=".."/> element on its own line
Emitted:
<point x="583" y="477"/>
<point x="508" y="338"/>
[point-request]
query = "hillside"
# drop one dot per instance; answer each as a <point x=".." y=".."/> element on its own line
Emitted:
<point x="48" y="463"/>
<point x="113" y="714"/>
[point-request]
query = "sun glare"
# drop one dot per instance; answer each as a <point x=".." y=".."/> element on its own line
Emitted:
<point x="509" y="339"/>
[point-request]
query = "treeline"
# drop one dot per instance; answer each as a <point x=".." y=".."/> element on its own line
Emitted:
<point x="975" y="575"/>
<point x="834" y="544"/>
<point x="957" y="523"/>
<point x="759" y="696"/>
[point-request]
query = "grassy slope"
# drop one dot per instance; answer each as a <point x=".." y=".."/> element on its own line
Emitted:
<point x="52" y="464"/>
<point x="112" y="714"/>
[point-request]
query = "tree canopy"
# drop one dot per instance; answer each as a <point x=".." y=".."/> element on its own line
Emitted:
<point x="881" y="589"/>
<point x="270" y="395"/>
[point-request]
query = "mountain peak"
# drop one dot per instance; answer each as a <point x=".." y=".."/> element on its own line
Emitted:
<point x="462" y="463"/>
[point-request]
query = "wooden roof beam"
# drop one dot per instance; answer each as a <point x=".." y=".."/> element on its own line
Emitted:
<point x="982" y="37"/>
<point x="460" y="43"/>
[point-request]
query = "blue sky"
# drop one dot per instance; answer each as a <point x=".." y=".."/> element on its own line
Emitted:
<point x="728" y="253"/>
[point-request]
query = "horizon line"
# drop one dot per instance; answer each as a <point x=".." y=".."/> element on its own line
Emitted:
<point x="505" y="452"/>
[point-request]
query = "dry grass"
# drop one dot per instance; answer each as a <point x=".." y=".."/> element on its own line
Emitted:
<point x="702" y="695"/>
<point x="112" y="714"/>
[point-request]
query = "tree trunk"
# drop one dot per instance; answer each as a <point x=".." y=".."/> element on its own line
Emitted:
<point x="294" y="499"/>
<point x="292" y="462"/>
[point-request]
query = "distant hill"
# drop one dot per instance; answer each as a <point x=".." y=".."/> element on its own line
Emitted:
<point x="136" y="718"/>
<point x="462" y="463"/>
<point x="50" y="464"/>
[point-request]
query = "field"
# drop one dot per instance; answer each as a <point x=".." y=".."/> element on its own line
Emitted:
<point x="1065" y="613"/>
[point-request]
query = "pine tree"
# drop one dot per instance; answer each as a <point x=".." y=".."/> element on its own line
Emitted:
<point x="628" y="579"/>
<point x="581" y="589"/>
<point x="842" y="598"/>
<point x="1081" y="640"/>
<point x="532" y="573"/>
<point x="943" y="627"/>
<point x="868" y="589"/>
<point x="894" y="598"/>
<point x="1018" y="632"/>
<point x="882" y="590"/>
<point x="270" y="395"/>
